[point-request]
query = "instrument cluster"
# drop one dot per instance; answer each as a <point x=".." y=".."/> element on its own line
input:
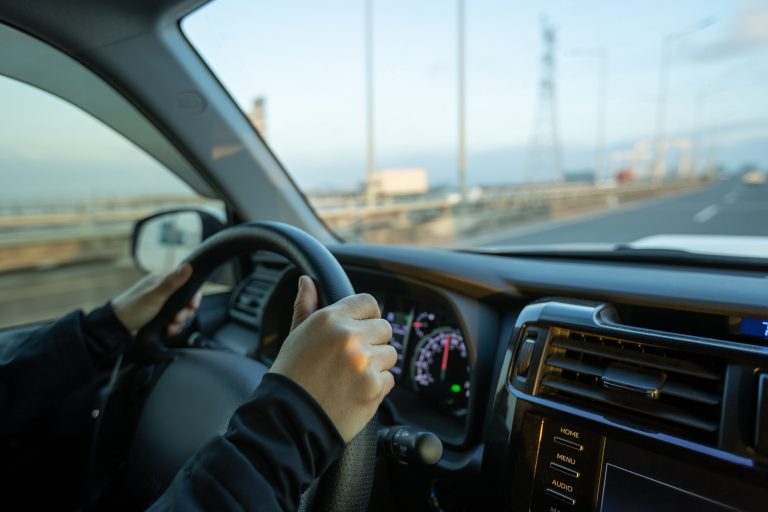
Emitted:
<point x="432" y="355"/>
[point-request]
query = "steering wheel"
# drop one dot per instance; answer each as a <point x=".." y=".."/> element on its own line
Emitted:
<point x="163" y="404"/>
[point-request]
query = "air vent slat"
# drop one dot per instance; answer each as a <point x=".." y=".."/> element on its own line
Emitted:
<point x="669" y="389"/>
<point x="639" y="358"/>
<point x="253" y="294"/>
<point x="258" y="288"/>
<point x="576" y="366"/>
<point x="659" y="410"/>
<point x="687" y="392"/>
<point x="678" y="389"/>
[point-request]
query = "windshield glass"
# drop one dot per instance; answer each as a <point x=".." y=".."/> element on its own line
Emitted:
<point x="495" y="123"/>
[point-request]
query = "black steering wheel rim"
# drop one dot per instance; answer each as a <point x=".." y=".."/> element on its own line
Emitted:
<point x="347" y="484"/>
<point x="301" y="249"/>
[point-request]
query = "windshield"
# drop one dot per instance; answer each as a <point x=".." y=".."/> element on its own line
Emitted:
<point x="494" y="123"/>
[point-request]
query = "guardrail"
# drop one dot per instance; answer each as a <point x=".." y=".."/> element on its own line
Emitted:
<point x="447" y="220"/>
<point x="59" y="234"/>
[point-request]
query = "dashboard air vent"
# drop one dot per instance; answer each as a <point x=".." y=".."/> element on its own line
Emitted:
<point x="250" y="299"/>
<point x="675" y="390"/>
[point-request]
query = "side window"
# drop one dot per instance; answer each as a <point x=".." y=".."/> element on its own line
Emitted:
<point x="70" y="190"/>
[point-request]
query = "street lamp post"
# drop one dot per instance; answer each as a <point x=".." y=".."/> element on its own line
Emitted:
<point x="370" y="186"/>
<point x="601" y="55"/>
<point x="659" y="166"/>
<point x="462" y="152"/>
<point x="601" y="85"/>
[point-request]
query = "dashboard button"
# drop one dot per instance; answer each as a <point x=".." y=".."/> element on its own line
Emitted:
<point x="562" y="497"/>
<point x="565" y="470"/>
<point x="568" y="463"/>
<point x="564" y="458"/>
<point x="567" y="442"/>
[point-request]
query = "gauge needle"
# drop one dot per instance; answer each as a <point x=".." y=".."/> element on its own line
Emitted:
<point x="444" y="366"/>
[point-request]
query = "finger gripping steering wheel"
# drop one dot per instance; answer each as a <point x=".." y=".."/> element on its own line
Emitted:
<point x="136" y="410"/>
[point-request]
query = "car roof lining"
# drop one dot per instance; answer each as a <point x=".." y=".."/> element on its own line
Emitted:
<point x="82" y="25"/>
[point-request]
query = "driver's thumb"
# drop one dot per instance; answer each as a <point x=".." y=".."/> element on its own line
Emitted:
<point x="174" y="280"/>
<point x="306" y="301"/>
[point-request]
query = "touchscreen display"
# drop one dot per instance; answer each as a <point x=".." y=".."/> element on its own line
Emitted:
<point x="627" y="491"/>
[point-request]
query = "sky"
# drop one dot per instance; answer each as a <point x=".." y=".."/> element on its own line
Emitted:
<point x="307" y="59"/>
<point x="51" y="150"/>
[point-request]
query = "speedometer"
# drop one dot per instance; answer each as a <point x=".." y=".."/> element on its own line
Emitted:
<point x="440" y="368"/>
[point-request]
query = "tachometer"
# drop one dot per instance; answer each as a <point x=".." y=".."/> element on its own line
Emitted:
<point x="440" y="368"/>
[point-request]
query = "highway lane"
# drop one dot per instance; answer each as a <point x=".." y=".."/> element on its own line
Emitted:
<point x="724" y="208"/>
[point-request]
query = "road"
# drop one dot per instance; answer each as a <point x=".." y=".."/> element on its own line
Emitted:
<point x="723" y="208"/>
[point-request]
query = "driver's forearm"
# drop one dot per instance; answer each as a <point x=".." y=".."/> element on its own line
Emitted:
<point x="276" y="445"/>
<point x="104" y="335"/>
<point x="40" y="369"/>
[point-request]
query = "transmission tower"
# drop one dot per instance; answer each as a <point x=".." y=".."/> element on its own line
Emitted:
<point x="544" y="157"/>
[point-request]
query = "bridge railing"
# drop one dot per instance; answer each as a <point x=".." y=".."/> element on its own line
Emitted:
<point x="52" y="234"/>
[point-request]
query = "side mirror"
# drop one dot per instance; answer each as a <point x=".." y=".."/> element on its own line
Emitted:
<point x="163" y="240"/>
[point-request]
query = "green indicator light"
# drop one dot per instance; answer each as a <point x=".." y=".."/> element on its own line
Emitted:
<point x="455" y="388"/>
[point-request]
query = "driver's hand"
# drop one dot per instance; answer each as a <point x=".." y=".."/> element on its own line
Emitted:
<point x="139" y="304"/>
<point x="340" y="355"/>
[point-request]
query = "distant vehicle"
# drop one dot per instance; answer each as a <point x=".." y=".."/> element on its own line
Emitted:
<point x="754" y="177"/>
<point x="625" y="176"/>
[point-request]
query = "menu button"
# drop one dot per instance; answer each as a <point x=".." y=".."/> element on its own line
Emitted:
<point x="565" y="470"/>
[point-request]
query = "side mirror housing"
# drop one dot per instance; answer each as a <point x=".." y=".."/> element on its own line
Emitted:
<point x="163" y="240"/>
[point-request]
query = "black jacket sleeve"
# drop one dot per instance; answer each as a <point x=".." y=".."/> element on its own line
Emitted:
<point x="276" y="445"/>
<point x="40" y="367"/>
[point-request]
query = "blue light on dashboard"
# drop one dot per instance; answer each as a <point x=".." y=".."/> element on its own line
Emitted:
<point x="754" y="327"/>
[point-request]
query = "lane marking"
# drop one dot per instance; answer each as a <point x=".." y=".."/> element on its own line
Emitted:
<point x="505" y="236"/>
<point x="730" y="197"/>
<point x="707" y="213"/>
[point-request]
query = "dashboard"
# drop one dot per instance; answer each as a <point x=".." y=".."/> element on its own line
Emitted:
<point x="556" y="384"/>
<point x="432" y="354"/>
<point x="435" y="333"/>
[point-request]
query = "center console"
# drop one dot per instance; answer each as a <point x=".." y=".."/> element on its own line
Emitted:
<point x="575" y="468"/>
<point x="594" y="415"/>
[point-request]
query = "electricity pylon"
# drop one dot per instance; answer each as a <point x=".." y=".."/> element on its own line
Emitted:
<point x="545" y="161"/>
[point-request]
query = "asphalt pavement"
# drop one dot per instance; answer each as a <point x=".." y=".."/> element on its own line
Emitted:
<point x="723" y="208"/>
